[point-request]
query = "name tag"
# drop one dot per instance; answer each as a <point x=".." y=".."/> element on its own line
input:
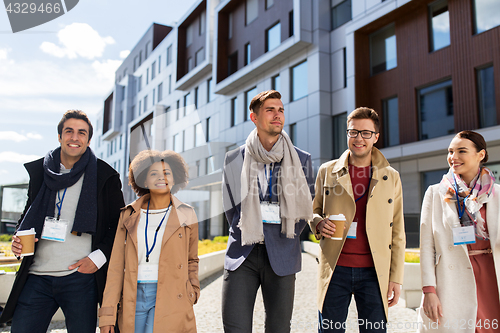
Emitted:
<point x="54" y="229"/>
<point x="352" y="230"/>
<point x="147" y="273"/>
<point x="464" y="235"/>
<point x="270" y="212"/>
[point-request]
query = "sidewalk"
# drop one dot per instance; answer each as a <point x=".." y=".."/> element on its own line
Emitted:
<point x="304" y="319"/>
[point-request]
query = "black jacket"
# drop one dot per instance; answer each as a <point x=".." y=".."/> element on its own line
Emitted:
<point x="109" y="203"/>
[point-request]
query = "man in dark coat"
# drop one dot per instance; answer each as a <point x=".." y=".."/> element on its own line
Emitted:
<point x="74" y="202"/>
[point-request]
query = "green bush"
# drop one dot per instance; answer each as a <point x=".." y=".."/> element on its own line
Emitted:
<point x="5" y="238"/>
<point x="220" y="239"/>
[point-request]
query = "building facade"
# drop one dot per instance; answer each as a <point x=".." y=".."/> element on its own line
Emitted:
<point x="430" y="69"/>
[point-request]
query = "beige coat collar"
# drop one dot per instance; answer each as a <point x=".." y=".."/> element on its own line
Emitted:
<point x="176" y="218"/>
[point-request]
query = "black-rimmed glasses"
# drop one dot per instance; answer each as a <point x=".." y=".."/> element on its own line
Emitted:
<point x="352" y="133"/>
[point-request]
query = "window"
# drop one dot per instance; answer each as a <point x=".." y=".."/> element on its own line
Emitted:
<point x="439" y="19"/>
<point x="209" y="136"/>
<point x="251" y="10"/>
<point x="187" y="101"/>
<point x="232" y="63"/>
<point x="210" y="91"/>
<point x="178" y="111"/>
<point x="247" y="54"/>
<point x="290" y="23"/>
<point x="299" y="81"/>
<point x="430" y="178"/>
<point x="177" y="143"/>
<point x="339" y="134"/>
<point x="269" y="4"/>
<point x="147" y="76"/>
<point x="435" y="105"/>
<point x="169" y="54"/>
<point x="170" y="84"/>
<point x="230" y="24"/>
<point x="189" y="35"/>
<point x="154" y="97"/>
<point x="341" y="14"/>
<point x="273" y="37"/>
<point x="199" y="56"/>
<point x="125" y="72"/>
<point x="486" y="97"/>
<point x="293" y="133"/>
<point x="159" y="64"/>
<point x="199" y="139"/>
<point x="486" y="15"/>
<point x="139" y="83"/>
<point x="383" y="50"/>
<point x="196" y="98"/>
<point x="249" y="94"/>
<point x="190" y="64"/>
<point x="209" y="165"/>
<point x="136" y="60"/>
<point x="345" y="67"/>
<point x="153" y="70"/>
<point x="123" y="93"/>
<point x="201" y="26"/>
<point x="140" y="107"/>
<point x="391" y="121"/>
<point x="146" y="50"/>
<point x="276" y="83"/>
<point x="121" y="139"/>
<point x="234" y="111"/>
<point x="140" y="58"/>
<point x="145" y="103"/>
<point x="160" y="92"/>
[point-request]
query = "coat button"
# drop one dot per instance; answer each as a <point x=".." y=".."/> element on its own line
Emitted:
<point x="450" y="267"/>
<point x="390" y="246"/>
<point x="191" y="295"/>
<point x="392" y="224"/>
<point x="179" y="296"/>
<point x="390" y="201"/>
<point x="179" y="266"/>
<point x="327" y="192"/>
<point x="180" y="235"/>
<point x="450" y="248"/>
<point x="385" y="177"/>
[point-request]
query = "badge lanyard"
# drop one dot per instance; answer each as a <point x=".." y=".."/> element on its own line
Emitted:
<point x="60" y="203"/>
<point x="461" y="210"/>
<point x="270" y="183"/>
<point x="148" y="251"/>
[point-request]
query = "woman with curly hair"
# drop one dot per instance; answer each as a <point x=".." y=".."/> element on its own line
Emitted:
<point x="152" y="281"/>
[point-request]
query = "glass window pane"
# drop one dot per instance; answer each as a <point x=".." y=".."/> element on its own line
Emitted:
<point x="252" y="10"/>
<point x="248" y="98"/>
<point x="383" y="54"/>
<point x="339" y="134"/>
<point x="486" y="96"/>
<point x="391" y="122"/>
<point x="430" y="178"/>
<point x="436" y="111"/>
<point x="276" y="83"/>
<point x="189" y="35"/>
<point x="299" y="81"/>
<point x="199" y="57"/>
<point x="248" y="50"/>
<point x="440" y="25"/>
<point x="269" y="3"/>
<point x="177" y="143"/>
<point x="341" y="14"/>
<point x="273" y="37"/>
<point x="234" y="111"/>
<point x="293" y="133"/>
<point x="199" y="137"/>
<point x="486" y="14"/>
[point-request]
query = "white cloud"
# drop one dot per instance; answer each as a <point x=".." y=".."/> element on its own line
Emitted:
<point x="106" y="69"/>
<point x="5" y="52"/>
<point x="14" y="136"/>
<point x="78" y="39"/>
<point x="124" y="54"/>
<point x="10" y="156"/>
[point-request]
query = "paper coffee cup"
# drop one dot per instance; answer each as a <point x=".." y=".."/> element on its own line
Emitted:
<point x="27" y="238"/>
<point x="339" y="221"/>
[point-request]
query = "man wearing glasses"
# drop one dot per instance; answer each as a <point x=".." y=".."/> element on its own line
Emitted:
<point x="368" y="261"/>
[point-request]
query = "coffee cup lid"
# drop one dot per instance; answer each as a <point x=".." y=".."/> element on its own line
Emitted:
<point x="26" y="232"/>
<point x="337" y="217"/>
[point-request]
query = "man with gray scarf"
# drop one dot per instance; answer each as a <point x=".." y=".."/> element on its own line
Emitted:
<point x="268" y="186"/>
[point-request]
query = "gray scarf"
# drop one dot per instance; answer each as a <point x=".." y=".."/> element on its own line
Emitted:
<point x="293" y="191"/>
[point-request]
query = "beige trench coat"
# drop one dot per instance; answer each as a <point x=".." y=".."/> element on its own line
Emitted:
<point x="384" y="220"/>
<point x="178" y="285"/>
<point x="447" y="267"/>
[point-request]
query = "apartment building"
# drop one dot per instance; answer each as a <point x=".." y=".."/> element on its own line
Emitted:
<point x="430" y="68"/>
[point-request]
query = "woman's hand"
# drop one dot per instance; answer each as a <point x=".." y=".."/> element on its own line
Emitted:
<point x="107" y="329"/>
<point x="432" y="307"/>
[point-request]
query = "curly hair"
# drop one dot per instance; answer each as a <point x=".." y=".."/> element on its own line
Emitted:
<point x="141" y="163"/>
<point x="76" y="114"/>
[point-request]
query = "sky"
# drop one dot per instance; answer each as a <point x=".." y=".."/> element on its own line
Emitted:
<point x="67" y="63"/>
